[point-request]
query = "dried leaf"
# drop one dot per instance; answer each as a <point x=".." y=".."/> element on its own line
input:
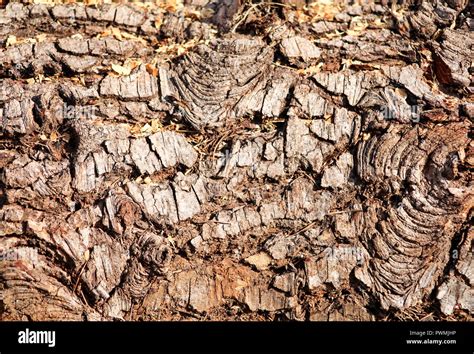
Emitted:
<point x="158" y="23"/>
<point x="156" y="125"/>
<point x="41" y="37"/>
<point x="53" y="136"/>
<point x="11" y="40"/>
<point x="105" y="33"/>
<point x="127" y="35"/>
<point x="311" y="70"/>
<point x="194" y="14"/>
<point x="146" y="128"/>
<point x="173" y="5"/>
<point x="260" y="260"/>
<point x="77" y="36"/>
<point x="132" y="63"/>
<point x="353" y="33"/>
<point x="152" y="70"/>
<point x="181" y="50"/>
<point x="116" y="33"/>
<point x="121" y="70"/>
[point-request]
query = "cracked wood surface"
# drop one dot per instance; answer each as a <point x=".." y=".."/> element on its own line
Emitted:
<point x="248" y="165"/>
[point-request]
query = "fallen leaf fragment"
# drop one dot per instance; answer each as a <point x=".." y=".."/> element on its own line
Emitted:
<point x="152" y="70"/>
<point x="260" y="260"/>
<point x="121" y="70"/>
<point x="116" y="33"/>
<point x="11" y="40"/>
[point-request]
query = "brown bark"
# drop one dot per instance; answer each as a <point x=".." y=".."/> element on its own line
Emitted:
<point x="235" y="160"/>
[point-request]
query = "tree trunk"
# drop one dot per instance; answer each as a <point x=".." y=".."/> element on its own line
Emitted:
<point x="233" y="160"/>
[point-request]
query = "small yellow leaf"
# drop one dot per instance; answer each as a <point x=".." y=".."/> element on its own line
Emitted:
<point x="181" y="50"/>
<point x="260" y="260"/>
<point x="132" y="63"/>
<point x="77" y="36"/>
<point x="173" y="5"/>
<point x="41" y="37"/>
<point x="158" y="23"/>
<point x="353" y="33"/>
<point x="11" y="40"/>
<point x="311" y="69"/>
<point x="121" y="70"/>
<point x="106" y="33"/>
<point x="146" y="128"/>
<point x="156" y="125"/>
<point x="127" y="35"/>
<point x="53" y="136"/>
<point x="116" y="33"/>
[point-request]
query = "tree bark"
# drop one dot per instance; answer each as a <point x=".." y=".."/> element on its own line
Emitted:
<point x="228" y="160"/>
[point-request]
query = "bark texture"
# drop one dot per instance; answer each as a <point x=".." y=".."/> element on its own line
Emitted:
<point x="236" y="160"/>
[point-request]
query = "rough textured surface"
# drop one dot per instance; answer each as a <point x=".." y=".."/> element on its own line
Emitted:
<point x="233" y="160"/>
